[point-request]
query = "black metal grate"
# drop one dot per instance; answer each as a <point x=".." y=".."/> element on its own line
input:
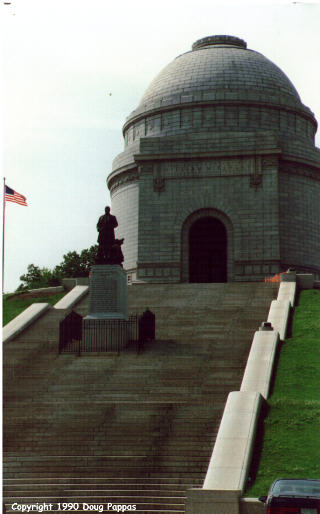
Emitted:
<point x="70" y="333"/>
<point x="78" y="335"/>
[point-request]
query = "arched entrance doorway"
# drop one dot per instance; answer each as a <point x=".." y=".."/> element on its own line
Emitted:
<point x="207" y="251"/>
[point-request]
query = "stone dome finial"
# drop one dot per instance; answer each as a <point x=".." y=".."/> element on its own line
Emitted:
<point x="219" y="40"/>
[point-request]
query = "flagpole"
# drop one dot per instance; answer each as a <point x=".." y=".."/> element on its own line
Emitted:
<point x="3" y="228"/>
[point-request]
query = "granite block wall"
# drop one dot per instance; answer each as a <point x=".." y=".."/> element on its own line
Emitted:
<point x="125" y="205"/>
<point x="220" y="188"/>
<point x="299" y="200"/>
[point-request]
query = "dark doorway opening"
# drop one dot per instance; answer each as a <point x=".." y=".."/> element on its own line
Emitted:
<point x="207" y="251"/>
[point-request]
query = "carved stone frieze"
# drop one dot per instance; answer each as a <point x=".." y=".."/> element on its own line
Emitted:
<point x="300" y="169"/>
<point x="158" y="179"/>
<point x="256" y="181"/>
<point x="269" y="161"/>
<point x="150" y="124"/>
<point x="159" y="184"/>
<point x="123" y="179"/>
<point x="207" y="168"/>
<point x="145" y="168"/>
<point x="256" y="176"/>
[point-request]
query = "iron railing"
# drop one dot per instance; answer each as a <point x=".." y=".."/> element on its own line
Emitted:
<point x="78" y="335"/>
<point x="70" y="333"/>
<point x="113" y="335"/>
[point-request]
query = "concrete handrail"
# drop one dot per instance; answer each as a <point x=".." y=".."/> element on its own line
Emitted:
<point x="73" y="297"/>
<point x="258" y="372"/>
<point x="35" y="310"/>
<point x="230" y="460"/>
<point x="70" y="283"/>
<point x="24" y="320"/>
<point x="279" y="316"/>
<point x="231" y="455"/>
<point x="287" y="291"/>
<point x="52" y="289"/>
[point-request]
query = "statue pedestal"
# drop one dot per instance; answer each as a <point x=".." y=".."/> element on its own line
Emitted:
<point x="108" y="292"/>
<point x="106" y="328"/>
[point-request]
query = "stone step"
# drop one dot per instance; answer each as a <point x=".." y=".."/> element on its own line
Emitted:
<point x="141" y="432"/>
<point x="112" y="442"/>
<point x="159" y="448"/>
<point x="132" y="482"/>
<point x="163" y="447"/>
<point x="86" y="483"/>
<point x="127" y="496"/>
<point x="89" y="460"/>
<point x="163" y="405"/>
<point x="136" y="467"/>
<point x="94" y="491"/>
<point x="108" y="474"/>
<point x="41" y="490"/>
<point x="100" y="462"/>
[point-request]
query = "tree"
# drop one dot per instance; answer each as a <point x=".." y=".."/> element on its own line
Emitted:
<point x="73" y="265"/>
<point x="36" y="278"/>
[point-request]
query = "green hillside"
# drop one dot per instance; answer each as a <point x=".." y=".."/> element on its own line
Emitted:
<point x="291" y="429"/>
<point x="12" y="305"/>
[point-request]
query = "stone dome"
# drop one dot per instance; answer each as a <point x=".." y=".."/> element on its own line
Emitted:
<point x="221" y="86"/>
<point x="219" y="68"/>
<point x="219" y="176"/>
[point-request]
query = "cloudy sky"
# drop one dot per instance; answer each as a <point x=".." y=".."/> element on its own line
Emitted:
<point x="72" y="70"/>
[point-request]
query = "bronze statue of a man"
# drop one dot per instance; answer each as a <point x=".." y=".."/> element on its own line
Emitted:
<point x="108" y="245"/>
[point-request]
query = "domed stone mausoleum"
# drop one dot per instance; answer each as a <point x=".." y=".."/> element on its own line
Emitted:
<point x="220" y="177"/>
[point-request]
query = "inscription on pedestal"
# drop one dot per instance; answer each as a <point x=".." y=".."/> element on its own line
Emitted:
<point x="108" y="292"/>
<point x="104" y="297"/>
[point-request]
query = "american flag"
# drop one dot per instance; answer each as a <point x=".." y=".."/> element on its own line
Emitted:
<point x="12" y="196"/>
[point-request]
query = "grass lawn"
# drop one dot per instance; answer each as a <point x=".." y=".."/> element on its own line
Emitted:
<point x="291" y="430"/>
<point x="12" y="306"/>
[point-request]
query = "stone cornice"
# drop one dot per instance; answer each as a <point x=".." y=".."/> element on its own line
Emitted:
<point x="120" y="178"/>
<point x="129" y="175"/>
<point x="165" y="264"/>
<point x="304" y="112"/>
<point x="299" y="167"/>
<point x="118" y="171"/>
<point x="148" y="166"/>
<point x="202" y="155"/>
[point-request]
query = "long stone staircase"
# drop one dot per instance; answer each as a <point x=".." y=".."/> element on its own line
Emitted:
<point x="128" y="429"/>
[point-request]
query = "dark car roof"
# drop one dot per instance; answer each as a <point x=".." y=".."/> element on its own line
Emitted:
<point x="296" y="487"/>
